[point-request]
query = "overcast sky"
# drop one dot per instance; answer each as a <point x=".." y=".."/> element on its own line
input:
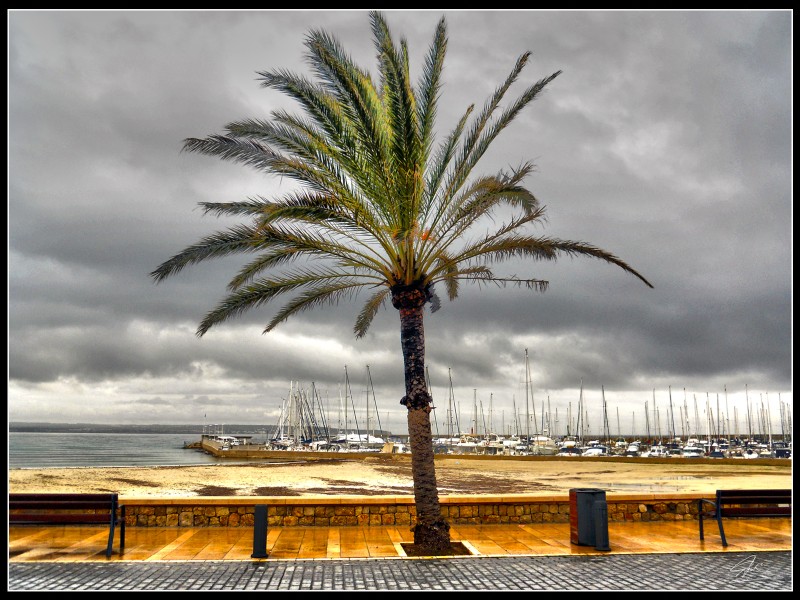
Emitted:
<point x="667" y="141"/>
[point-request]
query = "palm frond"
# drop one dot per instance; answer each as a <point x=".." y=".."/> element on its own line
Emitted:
<point x="243" y="299"/>
<point x="252" y="207"/>
<point x="263" y="291"/>
<point x="539" y="248"/>
<point x="479" y="199"/>
<point x="438" y="168"/>
<point x="264" y="262"/>
<point x="369" y="311"/>
<point x="247" y="152"/>
<point x="340" y="156"/>
<point x="308" y="242"/>
<point x="508" y="115"/>
<point x="236" y="239"/>
<point x="430" y="85"/>
<point x="335" y="119"/>
<point x="447" y="266"/>
<point x="482" y="275"/>
<point x="355" y="91"/>
<point x="460" y="170"/>
<point x="572" y="248"/>
<point x="320" y="105"/>
<point x="316" y="295"/>
<point x="405" y="156"/>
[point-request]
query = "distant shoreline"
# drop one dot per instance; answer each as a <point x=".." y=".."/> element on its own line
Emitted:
<point x="184" y="429"/>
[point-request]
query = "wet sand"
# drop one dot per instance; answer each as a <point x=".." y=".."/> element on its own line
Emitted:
<point x="389" y="475"/>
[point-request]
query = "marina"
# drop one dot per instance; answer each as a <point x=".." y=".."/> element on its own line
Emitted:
<point x="305" y="425"/>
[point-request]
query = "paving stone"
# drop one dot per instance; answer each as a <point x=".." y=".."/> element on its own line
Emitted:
<point x="730" y="571"/>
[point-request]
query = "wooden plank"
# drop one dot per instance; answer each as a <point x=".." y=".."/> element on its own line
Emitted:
<point x="163" y="553"/>
<point x="314" y="544"/>
<point x="71" y="543"/>
<point x="80" y="519"/>
<point x="334" y="549"/>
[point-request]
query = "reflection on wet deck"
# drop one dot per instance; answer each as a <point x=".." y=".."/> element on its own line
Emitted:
<point x="84" y="543"/>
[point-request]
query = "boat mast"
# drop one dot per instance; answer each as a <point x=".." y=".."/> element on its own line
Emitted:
<point x="375" y="403"/>
<point x="569" y="418"/>
<point x="450" y="406"/>
<point x="696" y="417"/>
<point x="579" y="426"/>
<point x="527" y="409"/>
<point x="453" y="414"/>
<point x="429" y="389"/>
<point x="686" y="415"/>
<point x="727" y="417"/>
<point x="491" y="413"/>
<point x="656" y="424"/>
<point x="672" y="417"/>
<point x="366" y="427"/>
<point x="349" y="393"/>
<point x="749" y="422"/>
<point x="474" y="411"/>
<point x="555" y="423"/>
<point x="769" y="423"/>
<point x="516" y="419"/>
<point x="346" y="380"/>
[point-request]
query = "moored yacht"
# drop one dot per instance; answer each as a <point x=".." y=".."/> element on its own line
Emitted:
<point x="657" y="451"/>
<point x="692" y="452"/>
<point x="633" y="449"/>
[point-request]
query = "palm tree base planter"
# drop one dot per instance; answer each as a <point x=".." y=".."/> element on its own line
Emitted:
<point x="455" y="549"/>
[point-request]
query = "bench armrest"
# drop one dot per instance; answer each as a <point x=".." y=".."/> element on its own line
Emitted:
<point x="712" y="510"/>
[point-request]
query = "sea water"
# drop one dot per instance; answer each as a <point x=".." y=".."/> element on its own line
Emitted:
<point x="42" y="450"/>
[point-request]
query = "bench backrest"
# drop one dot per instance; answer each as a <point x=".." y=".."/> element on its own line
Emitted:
<point x="753" y="503"/>
<point x="41" y="507"/>
<point x="754" y="496"/>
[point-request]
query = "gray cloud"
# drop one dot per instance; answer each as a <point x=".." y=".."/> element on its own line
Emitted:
<point x="666" y="140"/>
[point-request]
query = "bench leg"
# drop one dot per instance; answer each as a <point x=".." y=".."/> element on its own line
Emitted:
<point x="721" y="531"/>
<point x="702" y="537"/>
<point x="700" y="517"/>
<point x="122" y="529"/>
<point x="110" y="540"/>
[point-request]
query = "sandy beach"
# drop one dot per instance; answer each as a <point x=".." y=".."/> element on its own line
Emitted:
<point x="389" y="475"/>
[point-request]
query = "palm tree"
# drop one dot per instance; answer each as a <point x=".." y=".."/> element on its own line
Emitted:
<point x="379" y="206"/>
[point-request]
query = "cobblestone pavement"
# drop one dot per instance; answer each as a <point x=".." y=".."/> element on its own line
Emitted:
<point x="656" y="572"/>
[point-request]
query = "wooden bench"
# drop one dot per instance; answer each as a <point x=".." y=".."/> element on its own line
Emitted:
<point x="74" y="509"/>
<point x="744" y="503"/>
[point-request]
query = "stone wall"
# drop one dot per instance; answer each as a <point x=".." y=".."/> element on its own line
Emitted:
<point x="392" y="510"/>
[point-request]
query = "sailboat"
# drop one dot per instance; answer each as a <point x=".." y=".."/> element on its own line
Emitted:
<point x="355" y="441"/>
<point x="298" y="425"/>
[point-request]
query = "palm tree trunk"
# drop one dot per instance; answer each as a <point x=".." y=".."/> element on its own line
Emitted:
<point x="431" y="531"/>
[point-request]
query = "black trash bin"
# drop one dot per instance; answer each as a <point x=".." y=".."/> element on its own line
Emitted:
<point x="588" y="518"/>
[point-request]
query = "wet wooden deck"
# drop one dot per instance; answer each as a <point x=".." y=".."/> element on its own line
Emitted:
<point x="88" y="543"/>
